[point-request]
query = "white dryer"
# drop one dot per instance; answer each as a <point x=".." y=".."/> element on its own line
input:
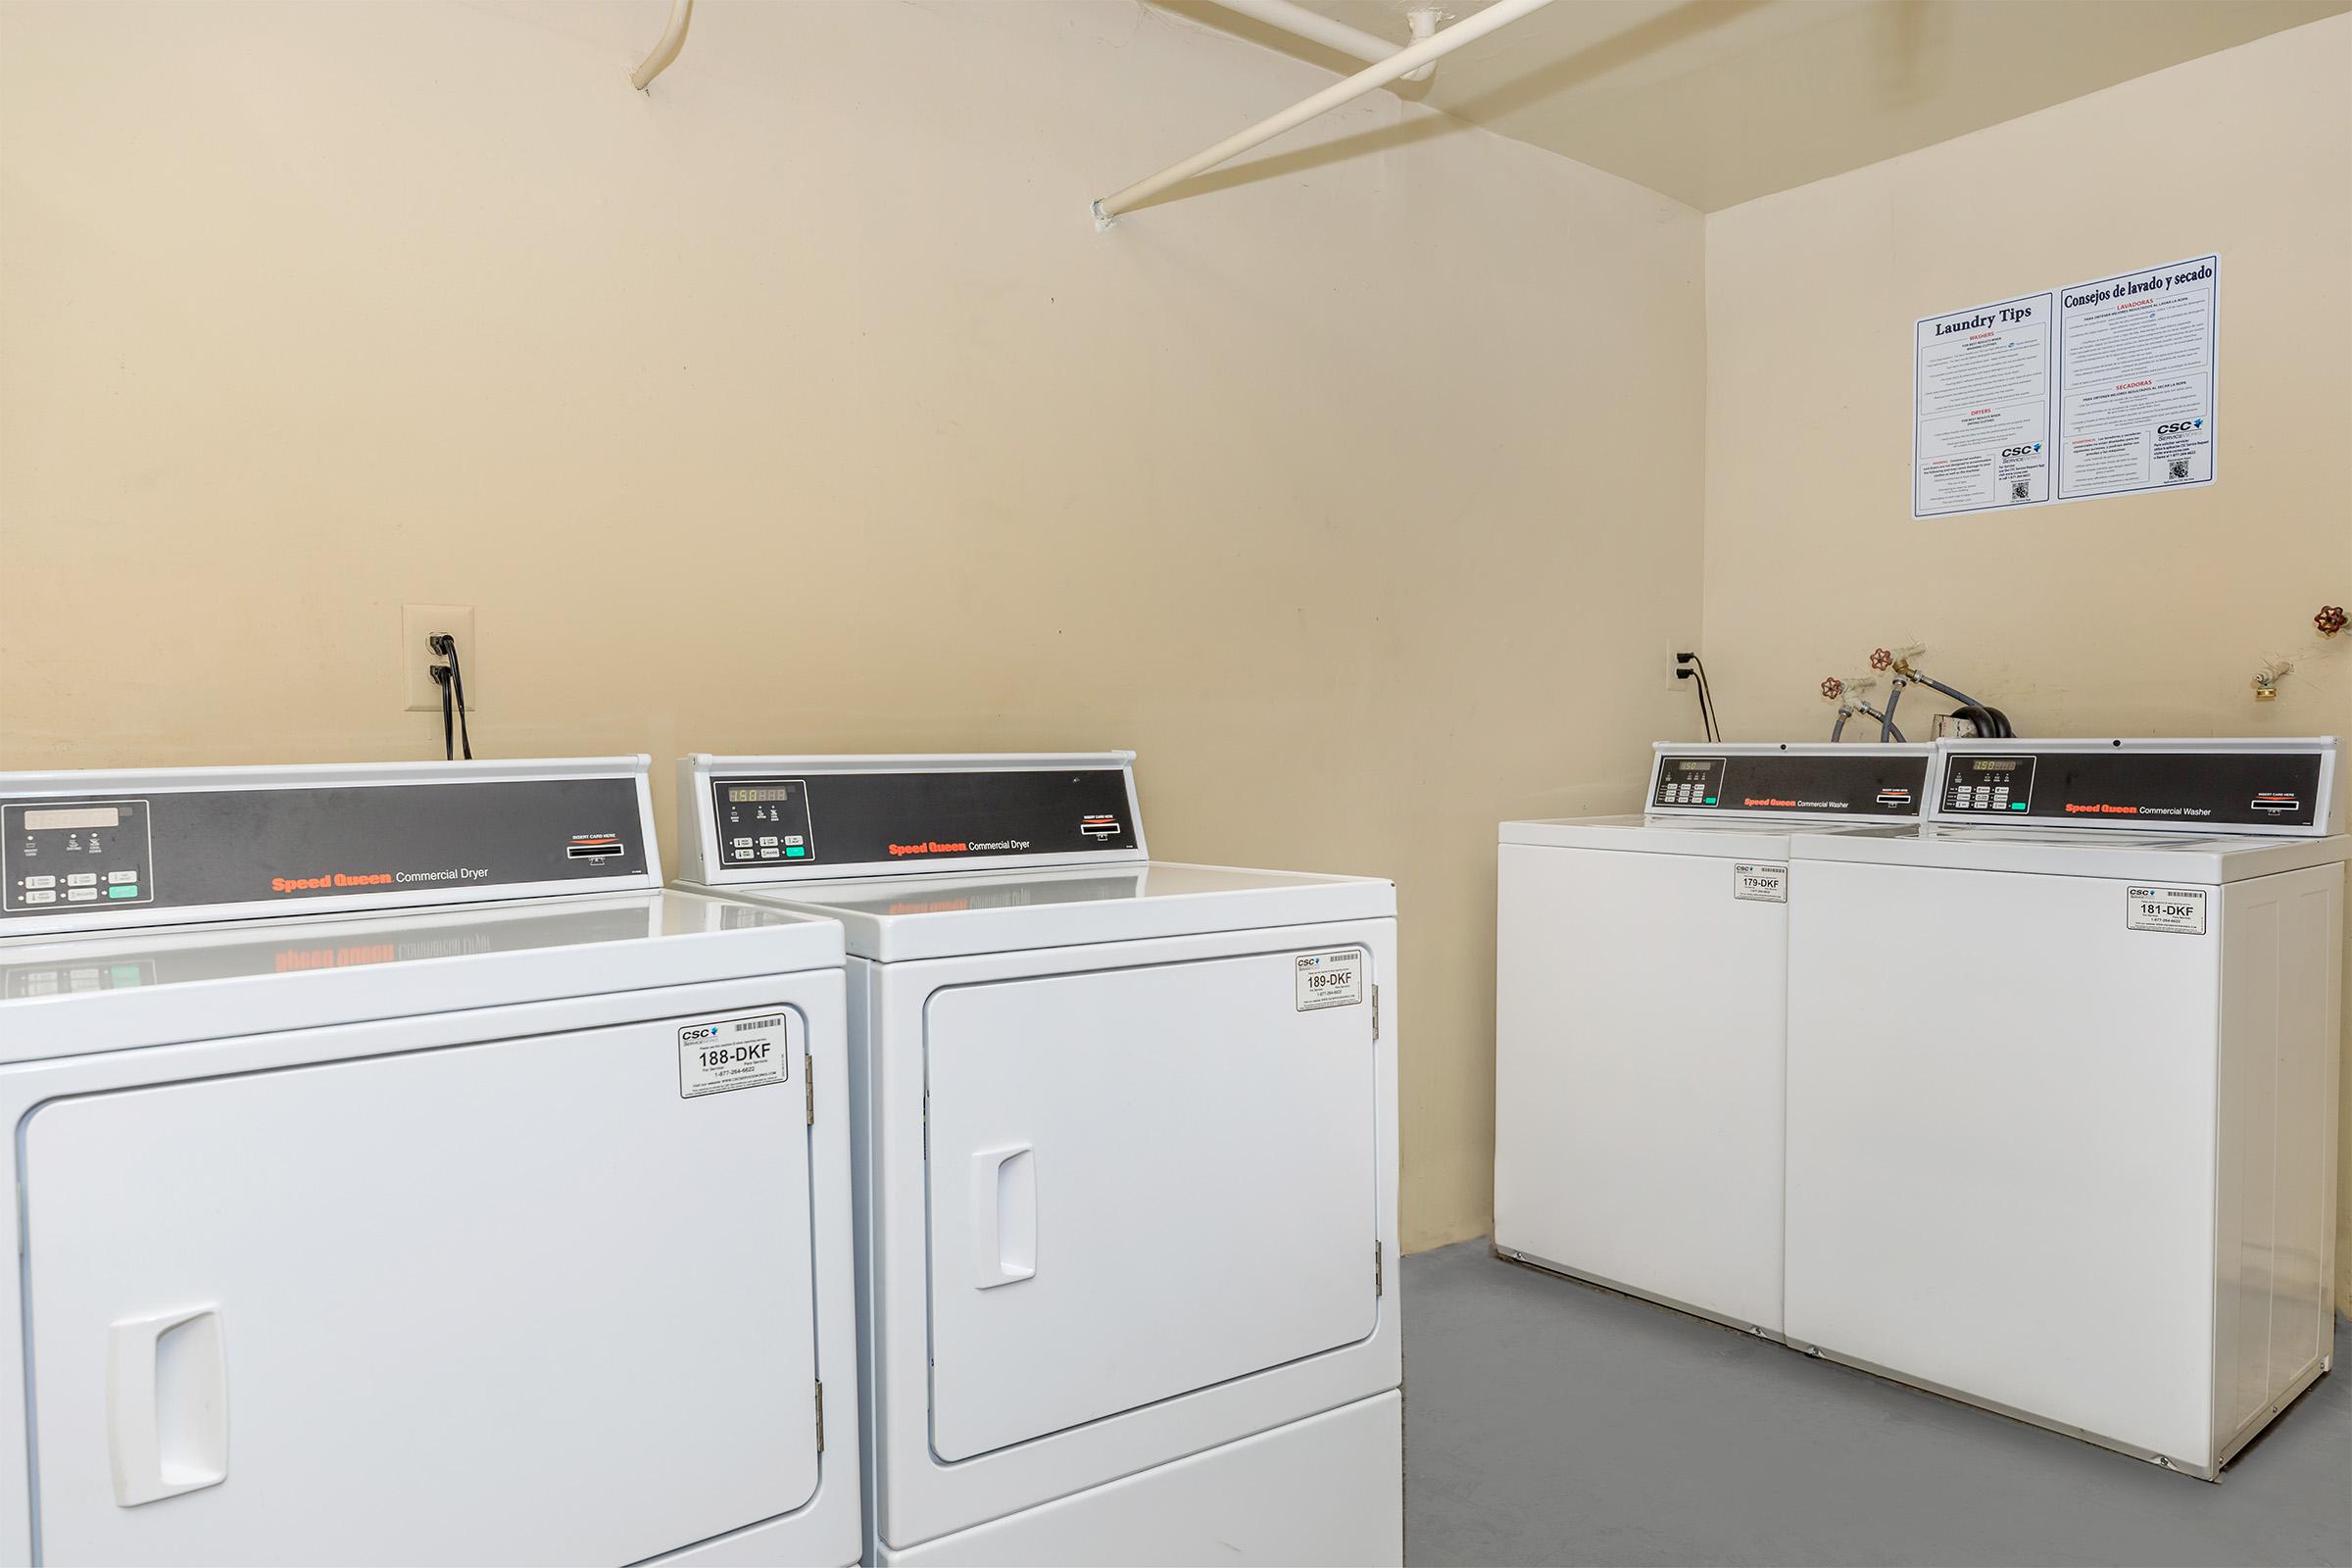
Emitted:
<point x="1640" y="1044"/>
<point x="2062" y="1093"/>
<point x="402" y="1177"/>
<point x="1126" y="1162"/>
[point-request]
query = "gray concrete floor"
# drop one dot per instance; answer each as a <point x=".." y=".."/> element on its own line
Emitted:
<point x="1548" y="1422"/>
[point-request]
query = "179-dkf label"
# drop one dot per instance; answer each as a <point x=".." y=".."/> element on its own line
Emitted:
<point x="734" y="1054"/>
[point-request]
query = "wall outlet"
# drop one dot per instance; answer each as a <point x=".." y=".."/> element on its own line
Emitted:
<point x="417" y="661"/>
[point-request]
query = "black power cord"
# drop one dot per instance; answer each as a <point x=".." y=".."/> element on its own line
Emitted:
<point x="1691" y="667"/>
<point x="451" y="678"/>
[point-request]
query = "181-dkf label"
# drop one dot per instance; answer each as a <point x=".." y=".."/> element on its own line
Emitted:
<point x="734" y="1054"/>
<point x="2177" y="910"/>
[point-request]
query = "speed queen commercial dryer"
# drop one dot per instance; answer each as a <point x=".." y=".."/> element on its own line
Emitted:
<point x="1638" y="1046"/>
<point x="1126" y="1162"/>
<point x="2062" y="1093"/>
<point x="401" y="1177"/>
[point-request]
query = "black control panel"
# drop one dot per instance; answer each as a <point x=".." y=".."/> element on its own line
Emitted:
<point x="848" y="819"/>
<point x="69" y="853"/>
<point x="2125" y="785"/>
<point x="1860" y="781"/>
<point x="187" y="848"/>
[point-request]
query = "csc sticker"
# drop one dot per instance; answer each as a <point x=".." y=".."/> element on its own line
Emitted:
<point x="1334" y="979"/>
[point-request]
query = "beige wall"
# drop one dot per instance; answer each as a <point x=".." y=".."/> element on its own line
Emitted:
<point x="2136" y="616"/>
<point x="799" y="406"/>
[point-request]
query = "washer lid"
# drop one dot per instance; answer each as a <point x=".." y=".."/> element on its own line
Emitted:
<point x="72" y="996"/>
<point x="2143" y="855"/>
<point x="900" y="917"/>
<point x="1739" y="838"/>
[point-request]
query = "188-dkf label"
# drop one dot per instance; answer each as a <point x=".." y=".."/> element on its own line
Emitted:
<point x="734" y="1054"/>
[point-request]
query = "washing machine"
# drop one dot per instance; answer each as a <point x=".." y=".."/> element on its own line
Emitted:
<point x="1125" y="1144"/>
<point x="1640" y="1048"/>
<point x="403" y="1176"/>
<point x="2062" y="1091"/>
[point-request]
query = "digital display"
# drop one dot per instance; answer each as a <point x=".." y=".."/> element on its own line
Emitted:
<point x="74" y="817"/>
<point x="1993" y="764"/>
<point x="1699" y="766"/>
<point x="747" y="793"/>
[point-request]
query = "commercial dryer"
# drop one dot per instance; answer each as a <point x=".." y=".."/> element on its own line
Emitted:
<point x="1126" y="1162"/>
<point x="1639" y="1031"/>
<point x="402" y="1177"/>
<point x="2062" y="1093"/>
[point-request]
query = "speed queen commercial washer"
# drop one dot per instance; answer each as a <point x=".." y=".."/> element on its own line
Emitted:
<point x="1126" y="1162"/>
<point x="2062" y="1093"/>
<point x="1640" y="1044"/>
<point x="402" y="1177"/>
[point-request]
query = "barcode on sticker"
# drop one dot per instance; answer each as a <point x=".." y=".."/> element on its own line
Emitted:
<point x="726" y="1054"/>
<point x="1334" y="979"/>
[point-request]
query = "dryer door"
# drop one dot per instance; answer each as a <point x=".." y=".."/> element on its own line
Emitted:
<point x="1143" y="1182"/>
<point x="521" y="1302"/>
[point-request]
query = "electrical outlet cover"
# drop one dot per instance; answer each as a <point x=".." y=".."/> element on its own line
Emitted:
<point x="416" y="660"/>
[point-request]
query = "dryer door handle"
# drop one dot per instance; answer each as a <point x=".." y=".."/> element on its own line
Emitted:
<point x="166" y="1405"/>
<point x="1003" y="1216"/>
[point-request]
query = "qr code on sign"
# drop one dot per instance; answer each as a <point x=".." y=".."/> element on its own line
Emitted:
<point x="2177" y="468"/>
<point x="2020" y="489"/>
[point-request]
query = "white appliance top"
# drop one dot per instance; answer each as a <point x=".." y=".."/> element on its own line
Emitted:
<point x="111" y="991"/>
<point x="2134" y="856"/>
<point x="890" y="918"/>
<point x="938" y="857"/>
<point x="173" y="904"/>
<point x="1729" y="799"/>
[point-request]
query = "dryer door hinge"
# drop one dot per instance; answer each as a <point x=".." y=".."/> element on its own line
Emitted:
<point x="1376" y="1012"/>
<point x="1379" y="1274"/>
<point x="820" y="1415"/>
<point x="809" y="1084"/>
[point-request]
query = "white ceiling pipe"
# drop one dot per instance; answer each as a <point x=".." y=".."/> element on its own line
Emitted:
<point x="1413" y="56"/>
<point x="673" y="39"/>
<point x="1316" y="27"/>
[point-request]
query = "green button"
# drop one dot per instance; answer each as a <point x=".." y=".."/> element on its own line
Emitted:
<point x="792" y="852"/>
<point x="2017" y="806"/>
<point x="121" y="893"/>
<point x="1711" y="800"/>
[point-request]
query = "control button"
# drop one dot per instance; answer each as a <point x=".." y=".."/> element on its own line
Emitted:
<point x="122" y="891"/>
<point x="82" y="879"/>
<point x="743" y="844"/>
<point x="794" y="853"/>
<point x="40" y="898"/>
<point x="791" y="839"/>
<point x="770" y="853"/>
<point x="32" y="882"/>
<point x="81" y="894"/>
<point x="768" y="842"/>
<point x="122" y="876"/>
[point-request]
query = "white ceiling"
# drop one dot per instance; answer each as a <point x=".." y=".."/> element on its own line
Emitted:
<point x="1717" y="101"/>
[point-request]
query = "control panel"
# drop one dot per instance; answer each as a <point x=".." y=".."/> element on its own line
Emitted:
<point x="2248" y="785"/>
<point x="177" y="849"/>
<point x="762" y="820"/>
<point x="1988" y="786"/>
<point x="1874" y="782"/>
<point x="853" y="816"/>
<point x="80" y="851"/>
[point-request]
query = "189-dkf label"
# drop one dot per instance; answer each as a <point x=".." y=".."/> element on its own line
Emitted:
<point x="734" y="1054"/>
<point x="1334" y="979"/>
